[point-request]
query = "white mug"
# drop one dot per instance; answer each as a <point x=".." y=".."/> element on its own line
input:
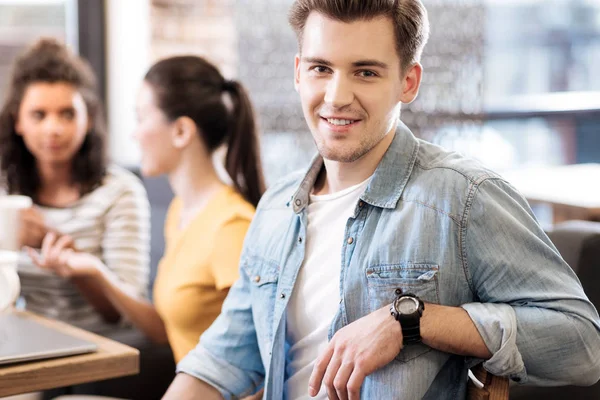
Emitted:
<point x="10" y="286"/>
<point x="10" y="220"/>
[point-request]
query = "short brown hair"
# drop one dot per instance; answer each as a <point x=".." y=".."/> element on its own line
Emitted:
<point x="409" y="17"/>
<point x="49" y="61"/>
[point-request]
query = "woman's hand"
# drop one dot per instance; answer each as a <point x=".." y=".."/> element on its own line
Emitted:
<point x="59" y="256"/>
<point x="32" y="229"/>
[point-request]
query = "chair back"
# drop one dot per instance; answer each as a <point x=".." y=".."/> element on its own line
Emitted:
<point x="494" y="387"/>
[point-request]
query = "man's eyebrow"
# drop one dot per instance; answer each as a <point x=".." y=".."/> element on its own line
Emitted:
<point x="370" y="63"/>
<point x="356" y="64"/>
<point x="316" y="60"/>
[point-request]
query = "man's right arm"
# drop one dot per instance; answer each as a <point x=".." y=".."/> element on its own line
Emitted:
<point x="227" y="360"/>
<point x="186" y="387"/>
<point x="529" y="306"/>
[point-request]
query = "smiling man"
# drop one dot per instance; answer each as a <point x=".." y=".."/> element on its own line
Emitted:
<point x="391" y="266"/>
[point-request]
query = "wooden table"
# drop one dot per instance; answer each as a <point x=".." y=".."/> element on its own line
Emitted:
<point x="111" y="360"/>
<point x="573" y="191"/>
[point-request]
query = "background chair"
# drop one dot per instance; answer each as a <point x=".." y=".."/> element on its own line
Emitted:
<point x="495" y="387"/>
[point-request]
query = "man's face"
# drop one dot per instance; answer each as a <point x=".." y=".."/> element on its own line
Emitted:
<point x="351" y="84"/>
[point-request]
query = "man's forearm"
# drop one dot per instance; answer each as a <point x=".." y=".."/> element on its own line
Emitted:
<point x="186" y="387"/>
<point x="451" y="330"/>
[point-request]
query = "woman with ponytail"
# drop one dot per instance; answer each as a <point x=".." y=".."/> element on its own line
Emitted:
<point x="186" y="110"/>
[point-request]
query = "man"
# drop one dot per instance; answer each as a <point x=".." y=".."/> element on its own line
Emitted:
<point x="391" y="266"/>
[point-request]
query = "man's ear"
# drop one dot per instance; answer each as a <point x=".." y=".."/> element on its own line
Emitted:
<point x="297" y="72"/>
<point x="411" y="82"/>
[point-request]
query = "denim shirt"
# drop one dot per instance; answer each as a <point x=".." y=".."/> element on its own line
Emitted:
<point x="430" y="223"/>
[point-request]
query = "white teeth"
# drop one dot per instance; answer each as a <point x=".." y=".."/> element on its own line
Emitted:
<point x="339" y="122"/>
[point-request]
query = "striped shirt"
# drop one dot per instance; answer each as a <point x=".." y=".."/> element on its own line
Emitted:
<point x="113" y="223"/>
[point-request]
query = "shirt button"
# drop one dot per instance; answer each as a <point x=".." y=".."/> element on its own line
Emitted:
<point x="300" y="239"/>
<point x="282" y="295"/>
<point x="350" y="240"/>
<point x="298" y="202"/>
<point x="257" y="278"/>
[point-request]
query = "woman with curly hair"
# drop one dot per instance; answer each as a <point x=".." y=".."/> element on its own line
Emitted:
<point x="90" y="219"/>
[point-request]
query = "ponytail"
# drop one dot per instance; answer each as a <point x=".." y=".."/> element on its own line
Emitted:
<point x="242" y="161"/>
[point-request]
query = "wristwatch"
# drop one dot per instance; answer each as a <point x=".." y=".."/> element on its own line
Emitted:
<point x="408" y="309"/>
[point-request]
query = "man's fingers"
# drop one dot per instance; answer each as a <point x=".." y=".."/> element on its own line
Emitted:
<point x="256" y="396"/>
<point x="316" y="378"/>
<point x="340" y="382"/>
<point x="354" y="383"/>
<point x="329" y="377"/>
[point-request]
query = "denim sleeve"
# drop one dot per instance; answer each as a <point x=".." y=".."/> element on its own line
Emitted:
<point x="529" y="308"/>
<point x="227" y="356"/>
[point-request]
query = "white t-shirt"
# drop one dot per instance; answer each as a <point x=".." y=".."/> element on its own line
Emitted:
<point x="316" y="295"/>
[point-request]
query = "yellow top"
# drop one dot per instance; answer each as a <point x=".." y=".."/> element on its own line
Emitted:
<point x="200" y="262"/>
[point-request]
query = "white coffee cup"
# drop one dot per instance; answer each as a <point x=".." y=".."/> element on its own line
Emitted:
<point x="10" y="220"/>
<point x="10" y="286"/>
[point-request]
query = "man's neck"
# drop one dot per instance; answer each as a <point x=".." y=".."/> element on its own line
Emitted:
<point x="337" y="176"/>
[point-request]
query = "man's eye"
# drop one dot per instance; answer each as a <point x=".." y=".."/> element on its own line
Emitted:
<point x="320" y="69"/>
<point x="367" y="74"/>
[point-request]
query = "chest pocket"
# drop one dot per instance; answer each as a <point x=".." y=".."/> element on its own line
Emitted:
<point x="384" y="281"/>
<point x="263" y="275"/>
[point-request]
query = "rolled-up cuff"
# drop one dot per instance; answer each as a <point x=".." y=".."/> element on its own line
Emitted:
<point x="497" y="325"/>
<point x="228" y="380"/>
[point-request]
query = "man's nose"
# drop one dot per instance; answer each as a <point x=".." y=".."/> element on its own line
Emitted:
<point x="339" y="92"/>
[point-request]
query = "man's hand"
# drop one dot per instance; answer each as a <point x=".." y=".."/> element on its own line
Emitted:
<point x="58" y="255"/>
<point x="256" y="396"/>
<point x="33" y="228"/>
<point x="355" y="352"/>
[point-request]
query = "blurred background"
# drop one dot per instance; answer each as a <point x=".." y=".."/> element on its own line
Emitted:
<point x="514" y="83"/>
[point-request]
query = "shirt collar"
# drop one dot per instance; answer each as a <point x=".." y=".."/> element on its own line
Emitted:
<point x="389" y="179"/>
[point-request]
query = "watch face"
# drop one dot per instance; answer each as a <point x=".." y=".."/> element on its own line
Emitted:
<point x="407" y="305"/>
